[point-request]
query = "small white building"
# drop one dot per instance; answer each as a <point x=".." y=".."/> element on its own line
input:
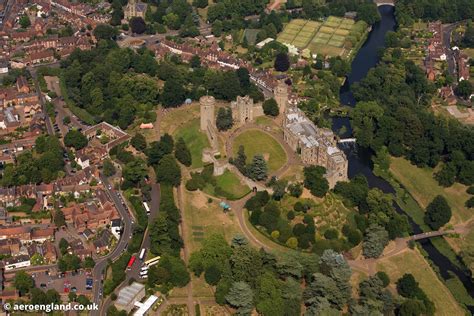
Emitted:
<point x="3" y="67"/>
<point x="145" y="306"/>
<point x="116" y="227"/>
<point x="21" y="261"/>
<point x="264" y="42"/>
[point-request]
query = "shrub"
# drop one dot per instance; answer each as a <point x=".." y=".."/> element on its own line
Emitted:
<point x="331" y="234"/>
<point x="290" y="215"/>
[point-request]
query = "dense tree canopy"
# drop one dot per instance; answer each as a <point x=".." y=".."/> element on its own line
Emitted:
<point x="44" y="164"/>
<point x="75" y="139"/>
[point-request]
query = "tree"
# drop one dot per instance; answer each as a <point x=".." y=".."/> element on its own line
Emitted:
<point x="105" y="32"/>
<point x="24" y="21"/>
<point x="23" y="282"/>
<point x="83" y="300"/>
<point x="268" y="299"/>
<point x="244" y="78"/>
<point x="282" y="62"/>
<point x="407" y="286"/>
<point x="368" y="12"/>
<point x="88" y="263"/>
<point x="75" y="139"/>
<point x="465" y="89"/>
<point x="108" y="168"/>
<point x="137" y="25"/>
<point x="411" y="308"/>
<point x="292" y="242"/>
<point x="470" y="203"/>
<point x="314" y="180"/>
<point x="59" y="219"/>
<point x="364" y="119"/>
<point x="134" y="172"/>
<point x="212" y="275"/>
<point x="240" y="296"/>
<point x="138" y="142"/>
<point x="182" y="152"/>
<point x="158" y="150"/>
<point x="384" y="278"/>
<point x="257" y="170"/>
<point x="375" y="240"/>
<point x="200" y="3"/>
<point x="63" y="246"/>
<point x="173" y="94"/>
<point x="270" y="107"/>
<point x="438" y="213"/>
<point x="241" y="161"/>
<point x="195" y="61"/>
<point x="295" y="189"/>
<point x="224" y="119"/>
<point x="168" y="171"/>
<point x="37" y="259"/>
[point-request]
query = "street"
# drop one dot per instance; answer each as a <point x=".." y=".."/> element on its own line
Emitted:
<point x="135" y="271"/>
<point x="101" y="264"/>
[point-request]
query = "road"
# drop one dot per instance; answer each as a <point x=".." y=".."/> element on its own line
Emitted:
<point x="135" y="271"/>
<point x="6" y="12"/>
<point x="450" y="58"/>
<point x="101" y="264"/>
<point x="49" y="126"/>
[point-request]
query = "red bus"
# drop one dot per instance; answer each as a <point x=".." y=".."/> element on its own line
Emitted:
<point x="131" y="262"/>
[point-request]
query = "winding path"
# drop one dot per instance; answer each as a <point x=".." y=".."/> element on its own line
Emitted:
<point x="365" y="265"/>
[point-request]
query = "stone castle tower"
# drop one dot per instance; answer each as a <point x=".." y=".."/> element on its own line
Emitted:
<point x="208" y="105"/>
<point x="242" y="109"/>
<point x="208" y="119"/>
<point x="281" y="96"/>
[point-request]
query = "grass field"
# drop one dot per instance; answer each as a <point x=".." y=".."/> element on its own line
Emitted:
<point x="424" y="188"/>
<point x="203" y="219"/>
<point x="228" y="186"/>
<point x="411" y="261"/>
<point x="258" y="142"/>
<point x="194" y="139"/>
<point x="231" y="184"/>
<point x="176" y="118"/>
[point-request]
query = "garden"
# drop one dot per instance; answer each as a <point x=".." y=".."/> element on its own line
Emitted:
<point x="332" y="37"/>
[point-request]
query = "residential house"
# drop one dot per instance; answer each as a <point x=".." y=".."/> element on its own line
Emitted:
<point x="102" y="243"/>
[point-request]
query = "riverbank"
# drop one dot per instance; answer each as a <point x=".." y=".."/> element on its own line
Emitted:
<point x="437" y="251"/>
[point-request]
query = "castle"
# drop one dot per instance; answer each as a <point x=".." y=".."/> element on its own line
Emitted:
<point x="135" y="9"/>
<point x="244" y="110"/>
<point x="318" y="146"/>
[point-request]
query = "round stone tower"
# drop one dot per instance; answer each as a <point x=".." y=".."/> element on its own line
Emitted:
<point x="208" y="104"/>
<point x="281" y="95"/>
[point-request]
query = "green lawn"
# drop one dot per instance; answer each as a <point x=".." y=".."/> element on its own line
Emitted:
<point x="413" y="262"/>
<point x="258" y="142"/>
<point x="231" y="185"/>
<point x="194" y="139"/>
<point x="227" y="186"/>
<point x="424" y="188"/>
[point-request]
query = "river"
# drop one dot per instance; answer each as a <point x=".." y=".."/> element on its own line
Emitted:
<point x="360" y="161"/>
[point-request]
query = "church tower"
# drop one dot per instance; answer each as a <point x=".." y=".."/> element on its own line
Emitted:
<point x="281" y="96"/>
<point x="207" y="105"/>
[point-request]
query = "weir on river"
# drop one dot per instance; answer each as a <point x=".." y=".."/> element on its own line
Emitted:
<point x="360" y="160"/>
